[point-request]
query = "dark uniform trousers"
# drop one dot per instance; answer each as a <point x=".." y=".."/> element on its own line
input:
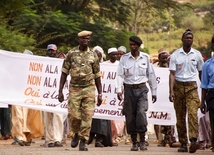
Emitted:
<point x="134" y="109"/>
<point x="210" y="108"/>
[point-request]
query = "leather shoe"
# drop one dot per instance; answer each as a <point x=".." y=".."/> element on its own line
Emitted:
<point x="82" y="146"/>
<point x="91" y="138"/>
<point x="183" y="148"/>
<point x="58" y="144"/>
<point x="134" y="147"/>
<point x="98" y="144"/>
<point x="6" y="137"/>
<point x="50" y="144"/>
<point x="143" y="146"/>
<point x="75" y="141"/>
<point x="147" y="143"/>
<point x="193" y="147"/>
<point x="21" y="142"/>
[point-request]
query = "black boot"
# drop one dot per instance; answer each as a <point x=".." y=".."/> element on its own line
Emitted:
<point x="75" y="141"/>
<point x="91" y="138"/>
<point x="142" y="142"/>
<point x="194" y="145"/>
<point x="82" y="146"/>
<point x="183" y="148"/>
<point x="134" y="142"/>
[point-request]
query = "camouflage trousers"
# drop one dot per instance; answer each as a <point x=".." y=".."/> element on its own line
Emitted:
<point x="81" y="106"/>
<point x="186" y="101"/>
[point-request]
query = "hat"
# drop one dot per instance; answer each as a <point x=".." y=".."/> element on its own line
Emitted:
<point x="122" y="48"/>
<point x="162" y="50"/>
<point x="84" y="33"/>
<point x="27" y="52"/>
<point x="52" y="47"/>
<point x="188" y="31"/>
<point x="98" y="48"/>
<point x="113" y="49"/>
<point x="136" y="40"/>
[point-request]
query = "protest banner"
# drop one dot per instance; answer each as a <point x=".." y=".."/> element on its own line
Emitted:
<point x="32" y="81"/>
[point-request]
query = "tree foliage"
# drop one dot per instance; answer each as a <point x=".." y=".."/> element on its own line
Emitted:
<point x="33" y="24"/>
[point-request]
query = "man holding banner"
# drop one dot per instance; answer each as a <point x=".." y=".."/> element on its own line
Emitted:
<point x="134" y="70"/>
<point x="84" y="69"/>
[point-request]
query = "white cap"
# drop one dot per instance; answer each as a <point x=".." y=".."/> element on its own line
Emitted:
<point x="98" y="48"/>
<point x="122" y="48"/>
<point x="113" y="49"/>
<point x="28" y="52"/>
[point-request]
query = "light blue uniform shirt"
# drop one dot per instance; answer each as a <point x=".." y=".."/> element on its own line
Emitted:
<point x="207" y="76"/>
<point x="136" y="71"/>
<point x="186" y="65"/>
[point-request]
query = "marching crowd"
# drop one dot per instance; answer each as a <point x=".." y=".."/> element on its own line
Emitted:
<point x="195" y="116"/>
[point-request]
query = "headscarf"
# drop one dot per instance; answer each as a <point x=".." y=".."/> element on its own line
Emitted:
<point x="98" y="48"/>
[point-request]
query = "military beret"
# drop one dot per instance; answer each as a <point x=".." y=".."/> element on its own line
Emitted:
<point x="136" y="40"/>
<point x="84" y="33"/>
<point x="188" y="31"/>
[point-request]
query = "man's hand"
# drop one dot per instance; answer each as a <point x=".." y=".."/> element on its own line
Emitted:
<point x="203" y="108"/>
<point x="154" y="98"/>
<point x="99" y="100"/>
<point x="120" y="96"/>
<point x="171" y="97"/>
<point x="60" y="97"/>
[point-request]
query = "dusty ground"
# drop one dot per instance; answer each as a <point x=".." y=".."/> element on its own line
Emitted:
<point x="35" y="149"/>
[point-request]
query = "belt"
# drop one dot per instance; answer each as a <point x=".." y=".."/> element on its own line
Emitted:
<point x="190" y="83"/>
<point x="135" y="86"/>
<point x="211" y="89"/>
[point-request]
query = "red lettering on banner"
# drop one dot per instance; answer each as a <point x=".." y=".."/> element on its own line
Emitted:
<point x="34" y="80"/>
<point x="31" y="92"/>
<point x="102" y="74"/>
<point x="35" y="67"/>
<point x="32" y="101"/>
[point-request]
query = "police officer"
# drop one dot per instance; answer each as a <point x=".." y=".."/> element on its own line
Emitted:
<point x="83" y="66"/>
<point x="207" y="95"/>
<point x="185" y="64"/>
<point x="134" y="70"/>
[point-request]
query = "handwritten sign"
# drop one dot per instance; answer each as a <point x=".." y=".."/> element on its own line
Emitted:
<point x="32" y="81"/>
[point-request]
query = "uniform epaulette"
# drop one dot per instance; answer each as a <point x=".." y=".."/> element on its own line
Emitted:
<point x="145" y="54"/>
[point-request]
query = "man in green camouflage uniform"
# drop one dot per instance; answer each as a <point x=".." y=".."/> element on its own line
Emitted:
<point x="185" y="64"/>
<point x="83" y="66"/>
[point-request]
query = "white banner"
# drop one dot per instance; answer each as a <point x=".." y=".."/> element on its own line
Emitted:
<point x="32" y="81"/>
